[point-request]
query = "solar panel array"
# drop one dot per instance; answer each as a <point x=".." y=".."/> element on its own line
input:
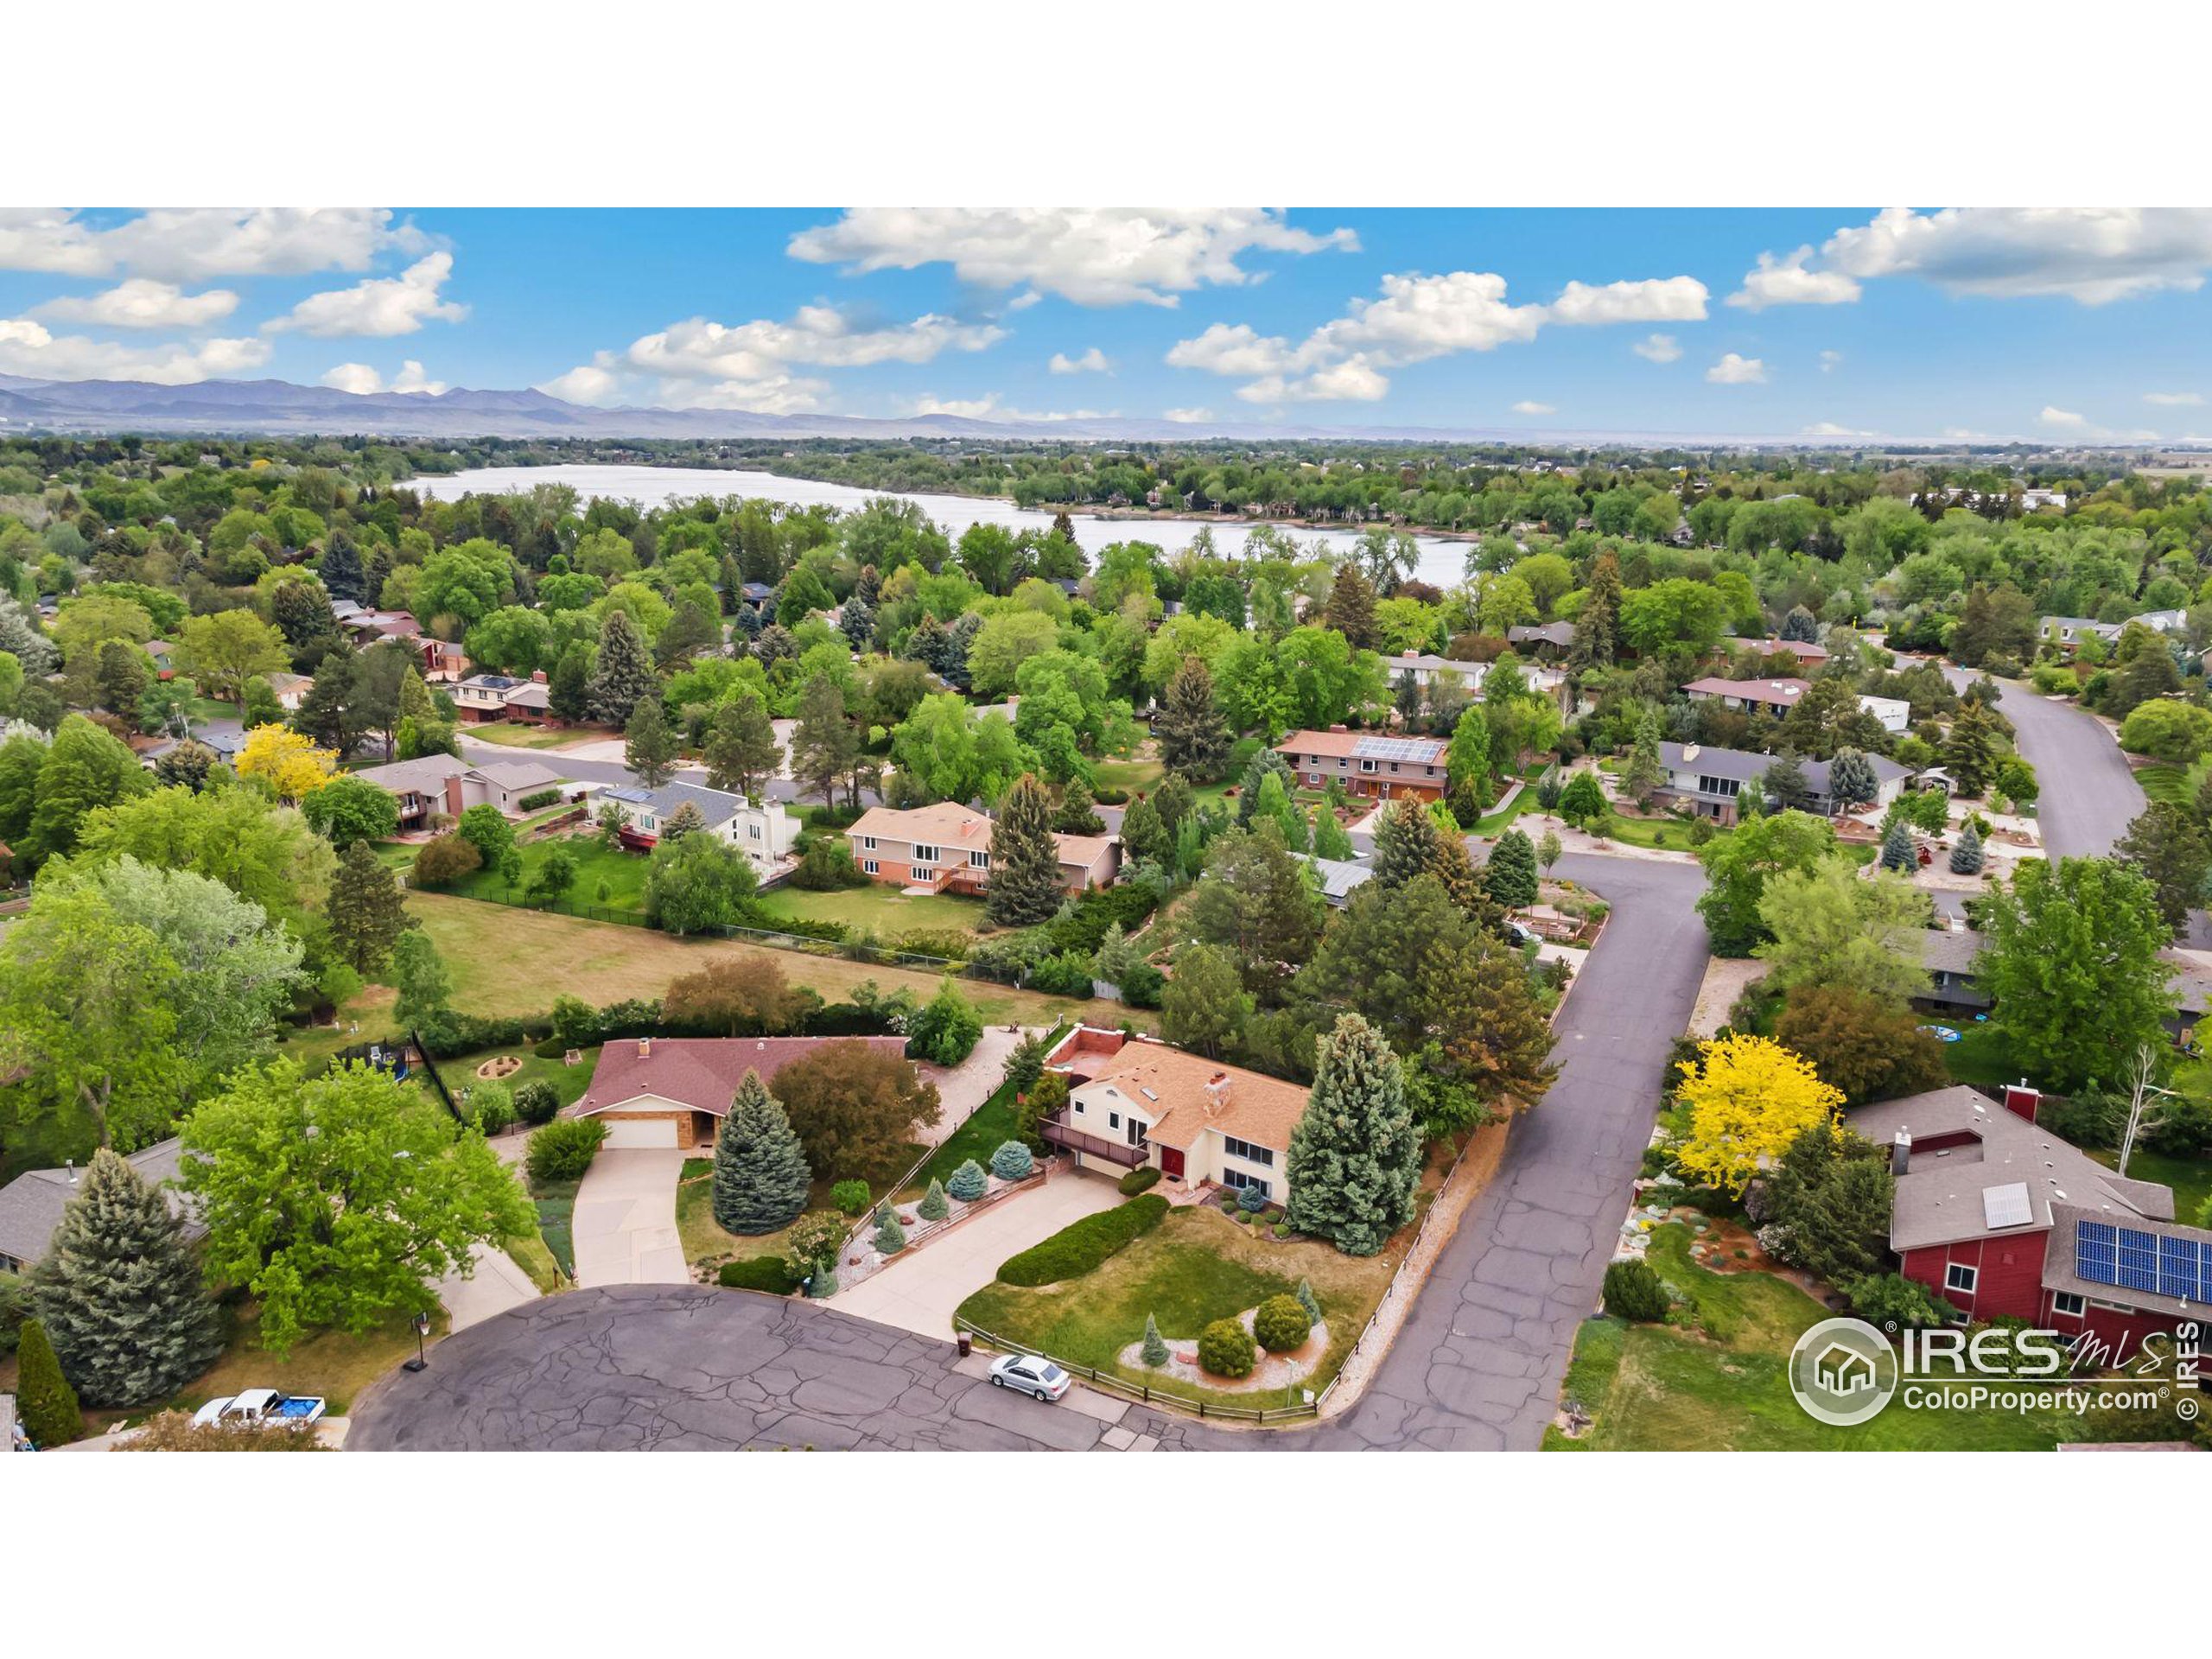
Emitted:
<point x="1398" y="748"/>
<point x="2135" y="1259"/>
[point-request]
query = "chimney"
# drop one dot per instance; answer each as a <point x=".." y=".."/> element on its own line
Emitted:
<point x="2022" y="1100"/>
<point x="1689" y="752"/>
<point x="70" y="1164"/>
<point x="1901" y="1152"/>
<point x="645" y="1048"/>
<point x="1217" y="1092"/>
<point x="538" y="677"/>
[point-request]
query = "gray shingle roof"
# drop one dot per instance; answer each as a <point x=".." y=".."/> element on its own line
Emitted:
<point x="31" y="1204"/>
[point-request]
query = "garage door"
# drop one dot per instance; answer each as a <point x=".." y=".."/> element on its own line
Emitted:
<point x="640" y="1132"/>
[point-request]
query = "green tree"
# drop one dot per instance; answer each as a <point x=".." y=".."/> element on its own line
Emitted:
<point x="1548" y="850"/>
<point x="2071" y="956"/>
<point x="623" y="675"/>
<point x="1967" y="856"/>
<point x="1331" y="839"/>
<point x="1510" y="876"/>
<point x="1870" y="1045"/>
<point x="485" y="828"/>
<point x="1897" y="855"/>
<point x="1194" y="736"/>
<point x="1154" y="1349"/>
<point x="82" y="769"/>
<point x="419" y="972"/>
<point x="743" y="752"/>
<point x="1583" y="801"/>
<point x="1852" y="781"/>
<point x="761" y="1180"/>
<point x="697" y="883"/>
<point x="1645" y="770"/>
<point x="1205" y="1007"/>
<point x="341" y="1200"/>
<point x="43" y="1397"/>
<point x="367" y="912"/>
<point x="347" y="809"/>
<point x="1256" y="902"/>
<point x="223" y="651"/>
<point x="1739" y="864"/>
<point x="856" y="1110"/>
<point x="823" y="744"/>
<point x="1355" y="1158"/>
<point x="945" y="1030"/>
<point x="120" y="1293"/>
<point x="1974" y="748"/>
<point x="1827" y="926"/>
<point x="2171" y="850"/>
<point x="1024" y="886"/>
<point x="648" y="748"/>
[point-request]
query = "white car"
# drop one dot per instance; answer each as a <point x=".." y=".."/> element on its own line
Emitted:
<point x="260" y="1409"/>
<point x="1032" y="1375"/>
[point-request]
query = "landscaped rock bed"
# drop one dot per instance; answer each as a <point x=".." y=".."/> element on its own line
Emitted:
<point x="1269" y="1370"/>
<point x="498" y="1066"/>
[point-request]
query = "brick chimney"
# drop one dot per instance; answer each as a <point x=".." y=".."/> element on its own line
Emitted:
<point x="1901" y="1152"/>
<point x="538" y="677"/>
<point x="645" y="1048"/>
<point x="1217" y="1092"/>
<point x="2022" y="1100"/>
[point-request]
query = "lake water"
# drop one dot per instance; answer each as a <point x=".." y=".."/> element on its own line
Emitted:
<point x="1441" y="561"/>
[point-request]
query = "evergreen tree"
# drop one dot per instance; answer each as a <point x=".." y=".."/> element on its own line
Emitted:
<point x="1193" y="735"/>
<point x="1024" y="887"/>
<point x="1784" y="783"/>
<point x="1800" y="625"/>
<point x="340" y="567"/>
<point x="1510" y="876"/>
<point x="44" y="1400"/>
<point x="856" y="621"/>
<point x="366" y="911"/>
<point x="1308" y="1300"/>
<point x="1852" y="781"/>
<point x="120" y="1293"/>
<point x="890" y="1236"/>
<point x="742" y="749"/>
<point x="1967" y="856"/>
<point x="1257" y="772"/>
<point x="823" y="744"/>
<point x="934" y="1205"/>
<point x="1405" y="844"/>
<point x="1155" y="1349"/>
<point x="687" y="819"/>
<point x="1351" y="607"/>
<point x="1356" y="1155"/>
<point x="762" y="1178"/>
<point x="1583" y="800"/>
<point x="1143" y="835"/>
<point x="568" y="690"/>
<point x="1078" y="813"/>
<point x="1174" y="800"/>
<point x="1897" y="848"/>
<point x="967" y="1183"/>
<point x="1598" y="623"/>
<point x="625" y="671"/>
<point x="1645" y="770"/>
<point x="649" y="748"/>
<point x="1331" y="839"/>
<point x="1974" y="748"/>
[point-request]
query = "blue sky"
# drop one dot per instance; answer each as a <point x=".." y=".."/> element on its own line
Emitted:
<point x="2059" y="324"/>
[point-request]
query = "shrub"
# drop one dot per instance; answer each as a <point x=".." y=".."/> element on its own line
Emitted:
<point x="446" y="859"/>
<point x="1634" y="1292"/>
<point x="542" y="797"/>
<point x="850" y="1197"/>
<point x="812" y="1242"/>
<point x="1062" y="975"/>
<point x="43" y="1397"/>
<point x="447" y="1033"/>
<point x="174" y="1430"/>
<point x="968" y="1182"/>
<point x="1282" y="1323"/>
<point x="769" y="1273"/>
<point x="1225" y="1349"/>
<point x="1142" y="1178"/>
<point x="890" y="1236"/>
<point x="1892" y="1300"/>
<point x="491" y="1107"/>
<point x="563" y="1149"/>
<point x="1308" y="1300"/>
<point x="1251" y="1200"/>
<point x="1142" y="985"/>
<point x="1154" y="1351"/>
<point x="1025" y="1063"/>
<point x="537" y="1100"/>
<point x="946" y="1029"/>
<point x="934" y="1206"/>
<point x="1081" y="1246"/>
<point x="1012" y="1162"/>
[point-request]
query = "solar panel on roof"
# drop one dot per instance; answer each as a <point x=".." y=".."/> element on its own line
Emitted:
<point x="634" y="797"/>
<point x="2094" y="1257"/>
<point x="2006" y="1206"/>
<point x="1394" y="748"/>
<point x="2138" y="1259"/>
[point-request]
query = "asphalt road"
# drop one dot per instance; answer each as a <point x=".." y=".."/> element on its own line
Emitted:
<point x="2089" y="794"/>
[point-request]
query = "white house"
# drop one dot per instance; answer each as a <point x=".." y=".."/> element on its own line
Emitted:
<point x="762" y="830"/>
<point x="1894" y="713"/>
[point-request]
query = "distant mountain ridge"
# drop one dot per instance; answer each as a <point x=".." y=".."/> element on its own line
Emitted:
<point x="278" y="408"/>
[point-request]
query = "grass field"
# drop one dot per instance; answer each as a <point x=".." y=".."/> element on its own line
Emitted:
<point x="2162" y="782"/>
<point x="1980" y="1055"/>
<point x="514" y="734"/>
<point x="879" y="909"/>
<point x="1132" y="777"/>
<point x="2190" y="1177"/>
<point x="1197" y="1266"/>
<point x="505" y="961"/>
<point x="623" y="873"/>
<point x="1671" y="834"/>
<point x="1722" y="1383"/>
<point x="705" y="1243"/>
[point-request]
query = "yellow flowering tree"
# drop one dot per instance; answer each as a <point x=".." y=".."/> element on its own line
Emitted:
<point x="1748" y="1098"/>
<point x="291" y="763"/>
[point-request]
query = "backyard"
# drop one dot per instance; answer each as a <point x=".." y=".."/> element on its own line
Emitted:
<point x="517" y="734"/>
<point x="876" y="908"/>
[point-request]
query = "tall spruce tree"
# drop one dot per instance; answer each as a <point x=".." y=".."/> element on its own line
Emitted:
<point x="1852" y="781"/>
<point x="648" y="748"/>
<point x="1897" y="848"/>
<point x="1356" y="1155"/>
<point x="625" y="671"/>
<point x="742" y="749"/>
<point x="1194" y="738"/>
<point x="1967" y="856"/>
<point x="1351" y="607"/>
<point x="762" y="1178"/>
<point x="567" y="691"/>
<point x="366" y="911"/>
<point x="120" y="1292"/>
<point x="1510" y="876"/>
<point x="1405" y="844"/>
<point x="1025" y="886"/>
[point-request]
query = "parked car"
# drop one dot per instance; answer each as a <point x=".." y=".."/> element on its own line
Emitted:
<point x="261" y="1408"/>
<point x="1032" y="1375"/>
<point x="1520" y="934"/>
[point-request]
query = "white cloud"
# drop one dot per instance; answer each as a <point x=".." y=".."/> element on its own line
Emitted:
<point x="357" y="378"/>
<point x="1829" y="360"/>
<point x="1787" y="282"/>
<point x="1658" y="348"/>
<point x="2092" y="255"/>
<point x="410" y="377"/>
<point x="192" y="244"/>
<point x="1963" y="433"/>
<point x="988" y="407"/>
<point x="2174" y="399"/>
<point x="1090" y="256"/>
<point x="1416" y="318"/>
<point x="1093" y="361"/>
<point x="1525" y="407"/>
<point x="1733" y="370"/>
<point x="2053" y="416"/>
<point x="1187" y="416"/>
<point x="27" y="347"/>
<point x="1830" y="429"/>
<point x="142" y="302"/>
<point x="2075" y="424"/>
<point x="705" y="365"/>
<point x="381" y="306"/>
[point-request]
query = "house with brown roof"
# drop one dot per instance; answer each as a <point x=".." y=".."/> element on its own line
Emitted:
<point x="1368" y="762"/>
<point x="1134" y="1101"/>
<point x="946" y="848"/>
<point x="1772" y="697"/>
<point x="674" y="1091"/>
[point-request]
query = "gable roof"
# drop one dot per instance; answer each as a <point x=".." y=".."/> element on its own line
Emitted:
<point x="31" y="1204"/>
<point x="1169" y="1087"/>
<point x="717" y="806"/>
<point x="1744" y="765"/>
<point x="1365" y="746"/>
<point x="701" y="1072"/>
<point x="943" y="823"/>
<point x="1780" y="693"/>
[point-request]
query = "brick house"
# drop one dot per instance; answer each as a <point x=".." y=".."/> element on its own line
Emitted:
<point x="1367" y="763"/>
<point x="947" y="849"/>
<point x="675" y="1091"/>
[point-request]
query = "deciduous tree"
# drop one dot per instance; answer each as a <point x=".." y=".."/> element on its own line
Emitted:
<point x="1748" y="1097"/>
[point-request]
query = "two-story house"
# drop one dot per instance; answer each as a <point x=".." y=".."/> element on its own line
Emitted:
<point x="1368" y="762"/>
<point x="946" y="848"/>
<point x="500" y="697"/>
<point x="762" y="830"/>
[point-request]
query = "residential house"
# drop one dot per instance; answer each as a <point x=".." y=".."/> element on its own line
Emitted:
<point x="763" y="831"/>
<point x="947" y="849"/>
<point x="368" y="627"/>
<point x="1708" y="781"/>
<point x="1774" y="698"/>
<point x="1426" y="667"/>
<point x="2003" y="1219"/>
<point x="499" y="697"/>
<point x="442" y="660"/>
<point x="1367" y="764"/>
<point x="1893" y="715"/>
<point x="758" y="595"/>
<point x="291" y="690"/>
<point x="1134" y="1101"/>
<point x="1948" y="954"/>
<point x="1808" y="654"/>
<point x="31" y="1204"/>
<point x="1546" y="640"/>
<point x="164" y="656"/>
<point x="675" y="1091"/>
<point x="434" y="785"/>
<point x="2069" y="631"/>
<point x="1338" y="877"/>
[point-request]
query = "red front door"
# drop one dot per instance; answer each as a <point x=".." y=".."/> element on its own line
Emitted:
<point x="1171" y="1163"/>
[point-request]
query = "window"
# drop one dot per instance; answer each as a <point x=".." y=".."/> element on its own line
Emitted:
<point x="1237" y="1178"/>
<point x="753" y="830"/>
<point x="646" y="822"/>
<point x="920" y="874"/>
<point x="1078" y="1109"/>
<point x="1959" y="1277"/>
<point x="1312" y="780"/>
<point x="2069" y="1303"/>
<point x="925" y="855"/>
<point x="869" y="867"/>
<point x="980" y="860"/>
<point x="1248" y="1152"/>
<point x="868" y="844"/>
<point x="1113" y="1119"/>
<point x="1367" y="766"/>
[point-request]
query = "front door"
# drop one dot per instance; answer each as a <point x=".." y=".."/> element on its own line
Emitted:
<point x="1171" y="1163"/>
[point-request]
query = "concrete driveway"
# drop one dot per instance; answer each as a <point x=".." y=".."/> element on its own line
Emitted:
<point x="494" y="1285"/>
<point x="920" y="1289"/>
<point x="626" y="1219"/>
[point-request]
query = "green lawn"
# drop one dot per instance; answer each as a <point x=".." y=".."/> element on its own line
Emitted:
<point x="1671" y="834"/>
<point x="2190" y="1177"/>
<point x="880" y="909"/>
<point x="1722" y="1383"/>
<point x="705" y="1243"/>
<point x="1197" y="1266"/>
<point x="514" y="734"/>
<point x="2162" y="782"/>
<point x="557" y="1219"/>
<point x="1132" y="777"/>
<point x="535" y="1257"/>
<point x="623" y="873"/>
<point x="1980" y="1055"/>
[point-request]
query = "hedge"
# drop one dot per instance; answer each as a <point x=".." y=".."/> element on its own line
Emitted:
<point x="1080" y="929"/>
<point x="769" y="1273"/>
<point x="543" y="797"/>
<point x="447" y="1033"/>
<point x="1085" y="1245"/>
<point x="1142" y="1178"/>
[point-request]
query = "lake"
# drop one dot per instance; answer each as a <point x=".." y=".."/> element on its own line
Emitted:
<point x="1441" y="561"/>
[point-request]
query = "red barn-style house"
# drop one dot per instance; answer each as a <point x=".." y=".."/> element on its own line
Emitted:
<point x="2004" y="1220"/>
